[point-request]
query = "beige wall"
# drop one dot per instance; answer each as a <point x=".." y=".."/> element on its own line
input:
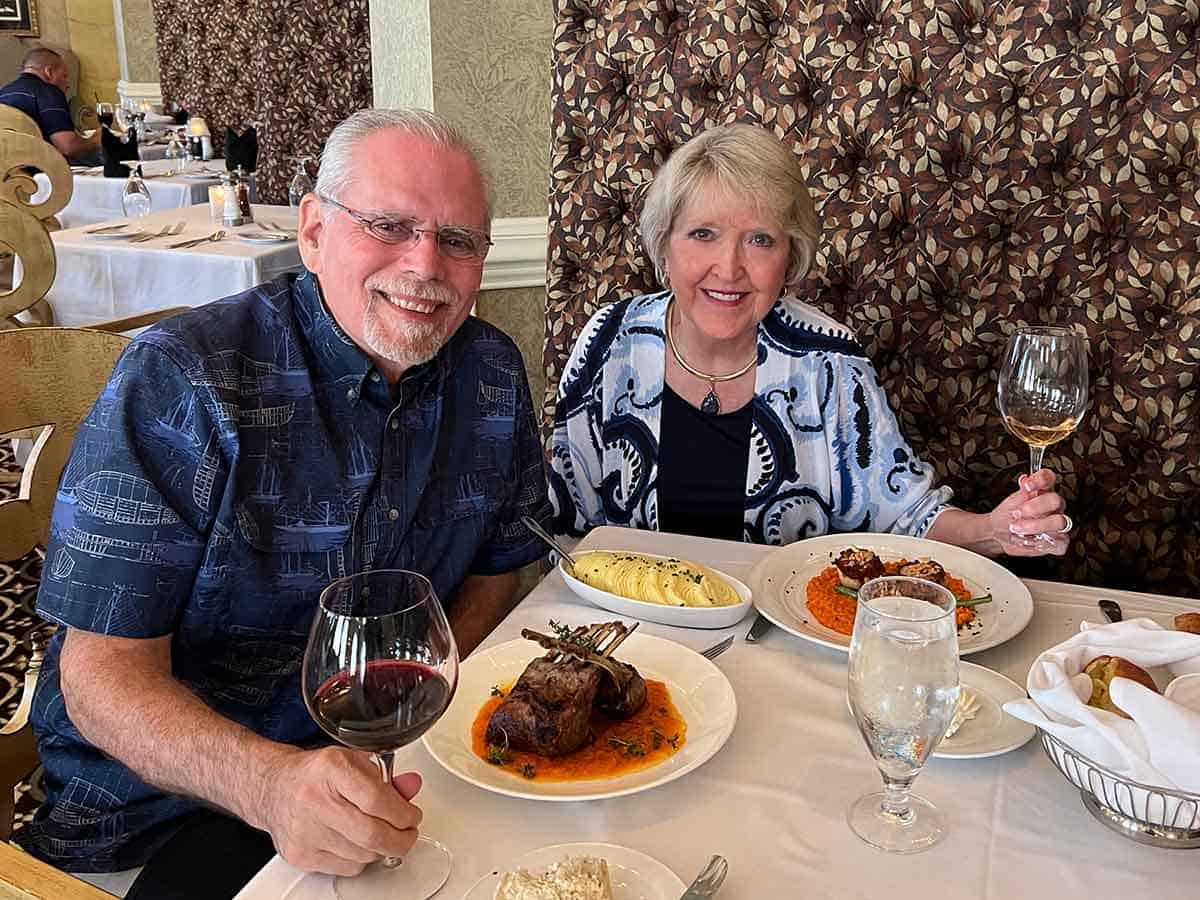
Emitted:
<point x="491" y="76"/>
<point x="136" y="27"/>
<point x="93" y="38"/>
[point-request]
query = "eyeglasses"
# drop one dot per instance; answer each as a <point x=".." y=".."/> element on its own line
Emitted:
<point x="453" y="241"/>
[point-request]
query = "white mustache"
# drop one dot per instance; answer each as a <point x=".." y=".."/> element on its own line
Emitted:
<point x="420" y="290"/>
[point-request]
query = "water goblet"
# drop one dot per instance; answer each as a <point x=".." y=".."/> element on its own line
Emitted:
<point x="903" y="687"/>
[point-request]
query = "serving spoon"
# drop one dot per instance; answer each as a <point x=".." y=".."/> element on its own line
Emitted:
<point x="546" y="536"/>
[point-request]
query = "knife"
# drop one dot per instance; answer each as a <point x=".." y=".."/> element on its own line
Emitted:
<point x="758" y="629"/>
<point x="1111" y="610"/>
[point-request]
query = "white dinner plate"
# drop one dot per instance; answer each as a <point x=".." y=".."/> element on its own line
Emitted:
<point x="198" y="176"/>
<point x="685" y="616"/>
<point x="780" y="579"/>
<point x="265" y="237"/>
<point x="992" y="731"/>
<point x="699" y="690"/>
<point x="634" y="875"/>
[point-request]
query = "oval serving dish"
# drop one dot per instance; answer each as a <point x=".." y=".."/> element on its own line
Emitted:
<point x="682" y="616"/>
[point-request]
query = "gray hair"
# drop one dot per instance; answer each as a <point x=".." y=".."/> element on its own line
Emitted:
<point x="40" y="56"/>
<point x="337" y="167"/>
<point x="744" y="161"/>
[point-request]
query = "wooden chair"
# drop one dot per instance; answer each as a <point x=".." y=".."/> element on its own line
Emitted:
<point x="55" y="376"/>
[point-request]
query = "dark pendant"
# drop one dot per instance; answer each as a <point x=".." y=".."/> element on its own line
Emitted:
<point x="711" y="404"/>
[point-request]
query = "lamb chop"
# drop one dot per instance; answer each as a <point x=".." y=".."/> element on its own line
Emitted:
<point x="548" y="711"/>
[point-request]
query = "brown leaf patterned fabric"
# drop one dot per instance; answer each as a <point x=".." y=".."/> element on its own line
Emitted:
<point x="976" y="165"/>
<point x="297" y="67"/>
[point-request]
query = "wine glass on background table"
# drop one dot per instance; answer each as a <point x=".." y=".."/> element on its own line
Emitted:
<point x="903" y="687"/>
<point x="380" y="668"/>
<point x="1043" y="388"/>
<point x="135" y="196"/>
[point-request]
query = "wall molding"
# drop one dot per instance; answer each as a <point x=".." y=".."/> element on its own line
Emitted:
<point x="150" y="91"/>
<point x="518" y="259"/>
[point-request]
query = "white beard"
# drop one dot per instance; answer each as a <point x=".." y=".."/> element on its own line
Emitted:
<point x="405" y="344"/>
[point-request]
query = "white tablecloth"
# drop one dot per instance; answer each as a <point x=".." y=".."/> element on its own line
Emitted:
<point x="98" y="199"/>
<point x="773" y="801"/>
<point x="99" y="280"/>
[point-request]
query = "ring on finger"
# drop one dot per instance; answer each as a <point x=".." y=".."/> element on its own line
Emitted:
<point x="1066" y="528"/>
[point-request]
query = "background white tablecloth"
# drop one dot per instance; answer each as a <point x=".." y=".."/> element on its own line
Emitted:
<point x="98" y="199"/>
<point x="773" y="801"/>
<point x="99" y="280"/>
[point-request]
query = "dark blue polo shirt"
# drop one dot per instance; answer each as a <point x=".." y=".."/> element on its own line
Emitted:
<point x="44" y="103"/>
<point x="242" y="456"/>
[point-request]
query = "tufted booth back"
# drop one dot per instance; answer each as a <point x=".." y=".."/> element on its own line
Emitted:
<point x="975" y="165"/>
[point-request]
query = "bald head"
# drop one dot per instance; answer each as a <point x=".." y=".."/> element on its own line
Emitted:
<point x="46" y="65"/>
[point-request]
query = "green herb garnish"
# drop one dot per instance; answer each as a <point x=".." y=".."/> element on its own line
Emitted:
<point x="497" y="755"/>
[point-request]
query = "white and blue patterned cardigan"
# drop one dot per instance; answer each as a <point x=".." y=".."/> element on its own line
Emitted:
<point x="826" y="452"/>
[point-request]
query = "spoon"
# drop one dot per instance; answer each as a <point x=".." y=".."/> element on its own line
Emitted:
<point x="549" y="539"/>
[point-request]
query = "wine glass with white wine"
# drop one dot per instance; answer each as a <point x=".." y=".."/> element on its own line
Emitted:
<point x="1043" y="389"/>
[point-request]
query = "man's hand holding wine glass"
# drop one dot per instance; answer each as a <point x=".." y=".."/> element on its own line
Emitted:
<point x="328" y="811"/>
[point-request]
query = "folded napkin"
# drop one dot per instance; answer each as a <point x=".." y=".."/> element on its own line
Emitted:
<point x="1159" y="745"/>
<point x="113" y="150"/>
<point x="241" y="151"/>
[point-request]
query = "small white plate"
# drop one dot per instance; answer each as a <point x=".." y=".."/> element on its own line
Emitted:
<point x="992" y="731"/>
<point x="634" y="875"/>
<point x="198" y="176"/>
<point x="699" y="690"/>
<point x="265" y="237"/>
<point x="684" y="616"/>
<point x="780" y="583"/>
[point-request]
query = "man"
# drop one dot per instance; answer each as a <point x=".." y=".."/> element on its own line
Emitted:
<point x="40" y="92"/>
<point x="242" y="456"/>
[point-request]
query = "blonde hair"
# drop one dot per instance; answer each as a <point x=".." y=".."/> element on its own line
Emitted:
<point x="744" y="161"/>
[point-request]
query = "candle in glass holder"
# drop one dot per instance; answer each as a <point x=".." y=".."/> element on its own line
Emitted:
<point x="216" y="202"/>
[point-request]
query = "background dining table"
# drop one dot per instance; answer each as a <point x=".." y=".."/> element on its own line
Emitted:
<point x="100" y="278"/>
<point x="96" y="198"/>
<point x="773" y="801"/>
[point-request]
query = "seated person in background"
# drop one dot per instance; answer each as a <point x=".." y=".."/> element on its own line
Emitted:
<point x="39" y="92"/>
<point x="244" y="455"/>
<point x="728" y="408"/>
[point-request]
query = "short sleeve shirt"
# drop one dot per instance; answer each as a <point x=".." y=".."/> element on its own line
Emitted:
<point x="45" y="103"/>
<point x="242" y="456"/>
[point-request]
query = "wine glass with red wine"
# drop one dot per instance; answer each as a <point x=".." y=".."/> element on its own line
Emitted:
<point x="380" y="668"/>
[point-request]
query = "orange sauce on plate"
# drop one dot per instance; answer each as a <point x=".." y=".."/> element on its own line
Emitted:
<point x="836" y="611"/>
<point x="654" y="733"/>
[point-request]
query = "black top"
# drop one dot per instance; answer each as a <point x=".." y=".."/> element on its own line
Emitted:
<point x="702" y="462"/>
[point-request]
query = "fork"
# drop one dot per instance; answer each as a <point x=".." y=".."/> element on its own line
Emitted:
<point x="149" y="236"/>
<point x="718" y="648"/>
<point x="184" y="245"/>
<point x="709" y="881"/>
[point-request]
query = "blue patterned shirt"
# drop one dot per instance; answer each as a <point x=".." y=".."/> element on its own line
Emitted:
<point x="242" y="456"/>
<point x="826" y="453"/>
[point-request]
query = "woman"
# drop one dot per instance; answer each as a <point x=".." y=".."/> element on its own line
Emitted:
<point x="726" y="408"/>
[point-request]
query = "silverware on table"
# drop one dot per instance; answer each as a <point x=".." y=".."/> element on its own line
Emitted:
<point x="1111" y="610"/>
<point x="760" y="627"/>
<point x="549" y="539"/>
<point x="183" y="245"/>
<point x="718" y="648"/>
<point x="107" y="228"/>
<point x="709" y="881"/>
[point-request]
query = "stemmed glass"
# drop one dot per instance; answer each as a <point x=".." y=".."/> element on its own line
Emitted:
<point x="301" y="182"/>
<point x="380" y="668"/>
<point x="1043" y="386"/>
<point x="903" y="689"/>
<point x="104" y="114"/>
<point x="135" y="196"/>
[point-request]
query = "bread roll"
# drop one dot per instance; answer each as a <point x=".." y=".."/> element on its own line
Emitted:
<point x="1189" y="622"/>
<point x="1103" y="669"/>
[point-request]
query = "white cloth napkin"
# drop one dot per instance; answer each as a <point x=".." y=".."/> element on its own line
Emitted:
<point x="1159" y="745"/>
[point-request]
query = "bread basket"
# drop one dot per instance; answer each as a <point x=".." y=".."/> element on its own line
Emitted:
<point x="1151" y="815"/>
